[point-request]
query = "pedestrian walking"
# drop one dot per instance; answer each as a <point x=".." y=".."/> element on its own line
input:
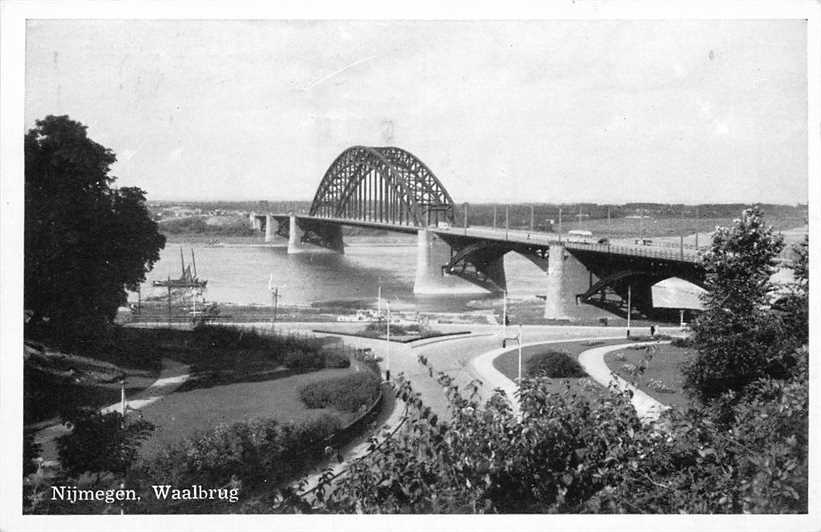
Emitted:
<point x="653" y="330"/>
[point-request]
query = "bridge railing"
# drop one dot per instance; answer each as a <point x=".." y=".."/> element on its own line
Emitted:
<point x="687" y="255"/>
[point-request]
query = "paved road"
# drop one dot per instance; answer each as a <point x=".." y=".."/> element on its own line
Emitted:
<point x="455" y="355"/>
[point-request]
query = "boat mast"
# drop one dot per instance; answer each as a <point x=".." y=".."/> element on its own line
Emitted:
<point x="194" y="262"/>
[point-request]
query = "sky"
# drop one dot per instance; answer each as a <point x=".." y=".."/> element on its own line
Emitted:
<point x="521" y="111"/>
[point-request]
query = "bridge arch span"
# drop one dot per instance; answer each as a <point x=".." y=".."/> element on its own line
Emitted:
<point x="382" y="184"/>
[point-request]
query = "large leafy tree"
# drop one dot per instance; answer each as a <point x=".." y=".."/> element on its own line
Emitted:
<point x="85" y="242"/>
<point x="739" y="337"/>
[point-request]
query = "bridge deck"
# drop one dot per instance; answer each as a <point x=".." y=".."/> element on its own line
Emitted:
<point x="519" y="236"/>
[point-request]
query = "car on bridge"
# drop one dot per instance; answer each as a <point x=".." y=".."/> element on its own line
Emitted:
<point x="581" y="236"/>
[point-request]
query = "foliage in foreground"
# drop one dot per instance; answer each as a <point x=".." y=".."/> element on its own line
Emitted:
<point x="573" y="454"/>
<point x="253" y="454"/>
<point x="554" y="364"/>
<point x="101" y="442"/>
<point x="352" y="392"/>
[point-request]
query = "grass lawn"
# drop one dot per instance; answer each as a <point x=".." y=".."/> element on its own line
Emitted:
<point x="507" y="364"/>
<point x="180" y="415"/>
<point x="664" y="365"/>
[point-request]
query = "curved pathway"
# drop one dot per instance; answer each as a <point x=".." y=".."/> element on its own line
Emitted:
<point x="172" y="375"/>
<point x="593" y="363"/>
<point x="483" y="365"/>
<point x="353" y="452"/>
<point x="465" y="358"/>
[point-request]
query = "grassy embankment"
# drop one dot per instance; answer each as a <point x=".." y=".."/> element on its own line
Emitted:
<point x="296" y="387"/>
<point x="218" y="356"/>
<point x="240" y="374"/>
<point x="662" y="378"/>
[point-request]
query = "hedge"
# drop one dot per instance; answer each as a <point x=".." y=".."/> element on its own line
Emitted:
<point x="261" y="452"/>
<point x="554" y="364"/>
<point x="347" y="392"/>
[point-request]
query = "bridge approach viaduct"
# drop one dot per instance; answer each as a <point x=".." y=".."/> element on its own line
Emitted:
<point x="390" y="189"/>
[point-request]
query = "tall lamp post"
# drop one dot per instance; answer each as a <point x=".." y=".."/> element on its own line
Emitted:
<point x="518" y="339"/>
<point x="122" y="397"/>
<point x="504" y="313"/>
<point x="388" y="343"/>
<point x="275" y="296"/>
<point x="629" y="307"/>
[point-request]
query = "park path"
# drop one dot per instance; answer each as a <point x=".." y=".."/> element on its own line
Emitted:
<point x="359" y="448"/>
<point x="172" y="375"/>
<point x="464" y="358"/>
<point x="593" y="363"/>
<point x="493" y="378"/>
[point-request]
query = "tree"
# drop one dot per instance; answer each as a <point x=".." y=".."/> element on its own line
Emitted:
<point x="101" y="442"/>
<point x="738" y="335"/>
<point x="795" y="304"/>
<point x="85" y="242"/>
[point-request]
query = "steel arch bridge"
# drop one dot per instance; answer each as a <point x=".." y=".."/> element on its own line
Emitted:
<point x="382" y="184"/>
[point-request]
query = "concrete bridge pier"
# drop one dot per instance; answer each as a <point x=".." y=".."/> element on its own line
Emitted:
<point x="269" y="228"/>
<point x="554" y="304"/>
<point x="295" y="234"/>
<point x="256" y="221"/>
<point x="427" y="271"/>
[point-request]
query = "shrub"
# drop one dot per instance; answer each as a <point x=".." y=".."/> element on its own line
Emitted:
<point x="299" y="359"/>
<point x="254" y="453"/>
<point x="568" y="453"/>
<point x="239" y="338"/>
<point x="369" y="360"/>
<point x="682" y="341"/>
<point x="100" y="442"/>
<point x="336" y="359"/>
<point x="554" y="364"/>
<point x="657" y="385"/>
<point x="347" y="393"/>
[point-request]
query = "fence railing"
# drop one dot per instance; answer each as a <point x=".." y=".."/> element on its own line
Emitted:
<point x="681" y="254"/>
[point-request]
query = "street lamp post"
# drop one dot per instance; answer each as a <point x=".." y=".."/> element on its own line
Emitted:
<point x="275" y="296"/>
<point x="504" y="313"/>
<point x="629" y="307"/>
<point x="122" y="396"/>
<point x="388" y="344"/>
<point x="519" y="341"/>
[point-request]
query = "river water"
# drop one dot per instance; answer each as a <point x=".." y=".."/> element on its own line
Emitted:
<point x="238" y="272"/>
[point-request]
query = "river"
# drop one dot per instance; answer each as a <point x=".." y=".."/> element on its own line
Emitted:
<point x="238" y="271"/>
